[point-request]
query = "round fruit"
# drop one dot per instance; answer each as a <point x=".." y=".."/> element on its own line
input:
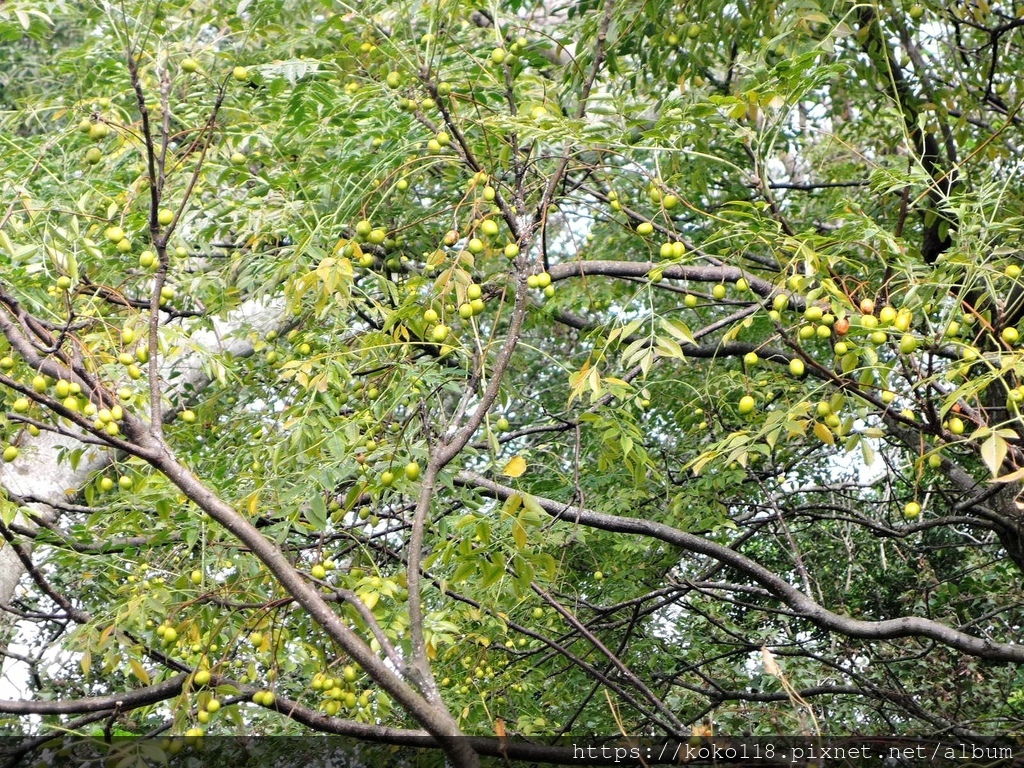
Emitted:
<point x="188" y="417"/>
<point x="147" y="259"/>
<point x="6" y="363"/>
<point x="412" y="470"/>
<point x="502" y="425"/>
<point x="498" y="55"/>
<point x="1010" y="335"/>
<point x="93" y="155"/>
<point x="318" y="571"/>
<point x="867" y="307"/>
<point x="718" y="291"/>
<point x="913" y="509"/>
<point x="237" y="158"/>
<point x="645" y="228"/>
<point x="387" y="478"/>
<point x="241" y="74"/>
<point x="750" y="358"/>
<point x="165" y="216"/>
<point x="189" y="65"/>
<point x="746" y="405"/>
<point x="916" y="12"/>
<point x="598" y="575"/>
<point x="256" y="639"/>
<point x="196" y="577"/>
<point x="20" y="405"/>
<point x="796" y="366"/>
<point x="39" y="383"/>
<point x="10" y="453"/>
<point x="213" y="705"/>
<point x="956" y="425"/>
<point x="690" y="301"/>
<point x="908" y="344"/>
<point x="439" y="333"/>
<point x="126" y="482"/>
<point x="202" y="677"/>
<point x="814" y="313"/>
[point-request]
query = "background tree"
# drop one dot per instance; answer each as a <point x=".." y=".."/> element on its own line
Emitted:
<point x="549" y="370"/>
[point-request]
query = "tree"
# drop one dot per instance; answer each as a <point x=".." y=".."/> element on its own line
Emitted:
<point x="552" y="370"/>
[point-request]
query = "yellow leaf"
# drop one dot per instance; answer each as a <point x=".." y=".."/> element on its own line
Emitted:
<point x="519" y="534"/>
<point x="515" y="467"/>
<point x="824" y="433"/>
<point x="139" y="671"/>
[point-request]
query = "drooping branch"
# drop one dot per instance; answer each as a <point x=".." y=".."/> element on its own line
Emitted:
<point x="806" y="607"/>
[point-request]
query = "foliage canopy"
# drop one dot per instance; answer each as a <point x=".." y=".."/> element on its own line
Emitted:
<point x="411" y="369"/>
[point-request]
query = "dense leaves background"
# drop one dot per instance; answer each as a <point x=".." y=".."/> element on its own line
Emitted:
<point x="601" y="368"/>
